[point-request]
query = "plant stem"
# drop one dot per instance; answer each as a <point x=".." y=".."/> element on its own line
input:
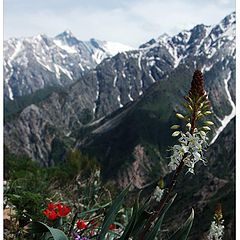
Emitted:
<point x="172" y="184"/>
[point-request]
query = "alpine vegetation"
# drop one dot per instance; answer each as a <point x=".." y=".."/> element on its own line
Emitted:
<point x="105" y="218"/>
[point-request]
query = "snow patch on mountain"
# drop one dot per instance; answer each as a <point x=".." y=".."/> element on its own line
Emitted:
<point x="119" y="101"/>
<point x="229" y="117"/>
<point x="68" y="49"/>
<point x="150" y="75"/>
<point x="97" y="97"/>
<point x="115" y="81"/>
<point x="114" y="47"/>
<point x="140" y="59"/>
<point x="16" y="51"/>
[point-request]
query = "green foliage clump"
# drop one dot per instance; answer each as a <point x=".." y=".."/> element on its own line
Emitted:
<point x="76" y="162"/>
<point x="28" y="185"/>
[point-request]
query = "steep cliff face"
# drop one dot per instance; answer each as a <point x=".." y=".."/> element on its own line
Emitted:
<point x="156" y="76"/>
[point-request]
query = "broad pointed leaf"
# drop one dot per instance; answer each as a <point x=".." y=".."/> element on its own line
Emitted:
<point x="112" y="212"/>
<point x="183" y="232"/>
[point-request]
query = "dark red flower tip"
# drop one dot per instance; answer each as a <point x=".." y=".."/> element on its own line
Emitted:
<point x="81" y="224"/>
<point x="197" y="84"/>
<point x="112" y="226"/>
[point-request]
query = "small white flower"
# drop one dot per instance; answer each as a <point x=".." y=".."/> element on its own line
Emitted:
<point x="158" y="192"/>
<point x="190" y="147"/>
<point x="185" y="149"/>
<point x="197" y="156"/>
<point x="216" y="231"/>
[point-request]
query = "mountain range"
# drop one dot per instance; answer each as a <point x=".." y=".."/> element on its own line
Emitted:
<point x="119" y="109"/>
<point x="128" y="76"/>
<point x="36" y="62"/>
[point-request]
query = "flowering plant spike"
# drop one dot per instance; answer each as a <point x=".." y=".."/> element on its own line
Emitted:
<point x="192" y="141"/>
<point x="216" y="231"/>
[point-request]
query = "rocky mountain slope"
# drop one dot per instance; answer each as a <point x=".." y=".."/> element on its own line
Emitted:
<point x="36" y="62"/>
<point x="140" y="85"/>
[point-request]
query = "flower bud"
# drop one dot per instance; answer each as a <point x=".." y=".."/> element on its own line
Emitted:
<point x="206" y="128"/>
<point x="176" y="133"/>
<point x="207" y="112"/>
<point x="209" y="123"/>
<point x="161" y="183"/>
<point x="174" y="127"/>
<point x="179" y="116"/>
<point x="218" y="213"/>
<point x="199" y="115"/>
<point x="203" y="133"/>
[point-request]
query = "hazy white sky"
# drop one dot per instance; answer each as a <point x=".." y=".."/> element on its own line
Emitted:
<point x="132" y="22"/>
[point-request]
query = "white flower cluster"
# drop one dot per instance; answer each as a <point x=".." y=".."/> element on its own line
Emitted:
<point x="190" y="147"/>
<point x="158" y="192"/>
<point x="216" y="231"/>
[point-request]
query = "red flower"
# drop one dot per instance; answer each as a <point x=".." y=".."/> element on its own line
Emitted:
<point x="51" y="215"/>
<point x="51" y="206"/>
<point x="46" y="212"/>
<point x="63" y="211"/>
<point x="81" y="224"/>
<point x="112" y="226"/>
<point x="56" y="210"/>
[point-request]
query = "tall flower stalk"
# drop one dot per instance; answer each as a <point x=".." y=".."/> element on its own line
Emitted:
<point x="191" y="143"/>
<point x="217" y="228"/>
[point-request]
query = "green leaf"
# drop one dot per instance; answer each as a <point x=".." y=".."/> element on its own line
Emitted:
<point x="142" y="216"/>
<point x="153" y="233"/>
<point x="130" y="226"/>
<point x="183" y="232"/>
<point x="112" y="212"/>
<point x="39" y="227"/>
<point x="93" y="210"/>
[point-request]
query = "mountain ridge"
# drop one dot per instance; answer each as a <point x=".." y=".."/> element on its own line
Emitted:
<point x="120" y="80"/>
<point x="44" y="61"/>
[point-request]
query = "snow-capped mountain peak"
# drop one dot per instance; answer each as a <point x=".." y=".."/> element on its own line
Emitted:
<point x="67" y="38"/>
<point x="34" y="62"/>
<point x="199" y="40"/>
